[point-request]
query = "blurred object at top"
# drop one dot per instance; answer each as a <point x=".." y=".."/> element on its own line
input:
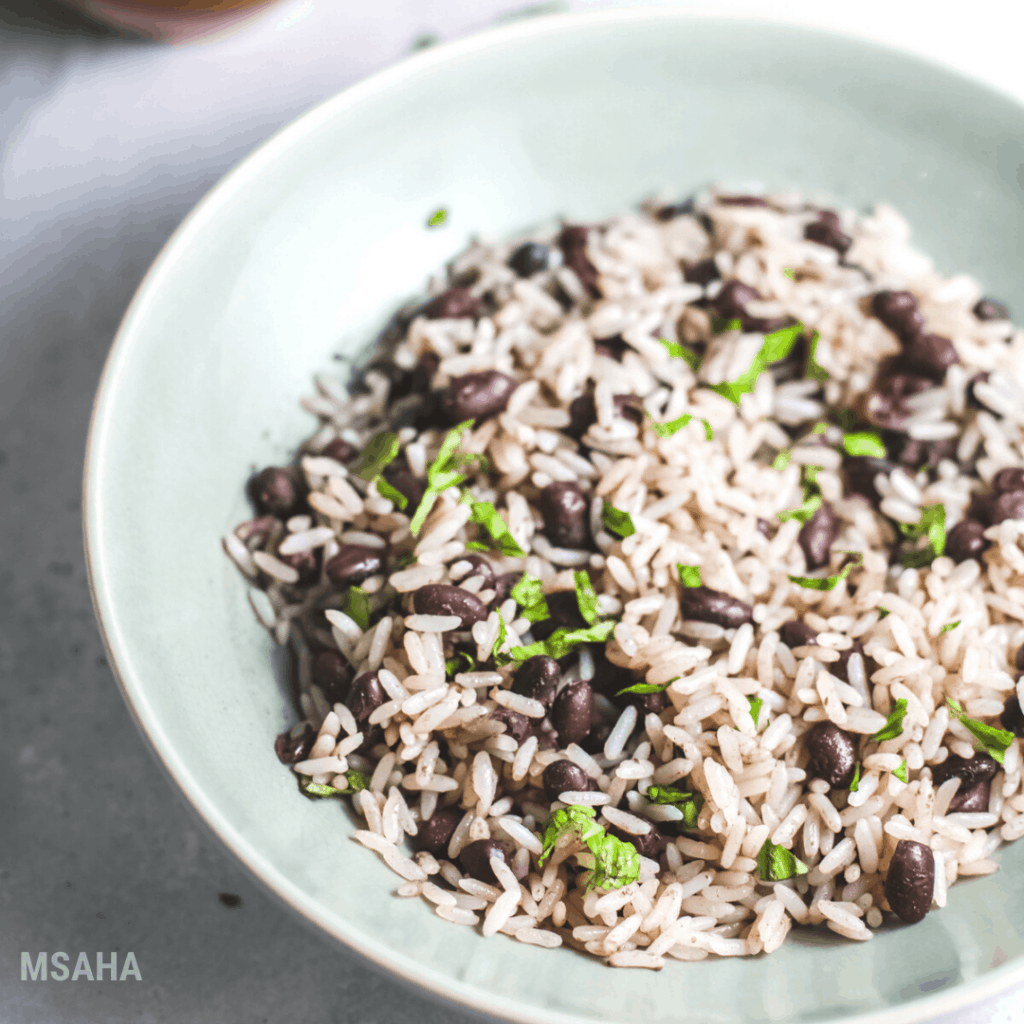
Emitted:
<point x="172" y="21"/>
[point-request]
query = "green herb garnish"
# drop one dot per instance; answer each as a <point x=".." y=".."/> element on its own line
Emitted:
<point x="933" y="525"/>
<point x="689" y="803"/>
<point x="444" y="472"/>
<point x="777" y="345"/>
<point x="994" y="741"/>
<point x="864" y="442"/>
<point x="782" y="460"/>
<point x="501" y="640"/>
<point x="814" y="370"/>
<point x="948" y="626"/>
<point x="380" y="451"/>
<point x="564" y="641"/>
<point x="586" y="596"/>
<point x="678" y="351"/>
<point x="452" y="668"/>
<point x="689" y="575"/>
<point x="789" y="272"/>
<point x="356" y="781"/>
<point x="529" y="595"/>
<point x="882" y="613"/>
<point x="901" y="772"/>
<point x="357" y="606"/>
<point x="893" y="723"/>
<point x="856" y="778"/>
<point x="437" y="218"/>
<point x="674" y="426"/>
<point x="812" y="498"/>
<point x="487" y="516"/>
<point x="616" y="863"/>
<point x="776" y="863"/>
<point x="642" y="688"/>
<point x="826" y="582"/>
<point x="386" y="490"/>
<point x="756" y="704"/>
<point x="616" y="521"/>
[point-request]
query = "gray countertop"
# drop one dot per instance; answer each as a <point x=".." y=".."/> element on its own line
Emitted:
<point x="108" y="142"/>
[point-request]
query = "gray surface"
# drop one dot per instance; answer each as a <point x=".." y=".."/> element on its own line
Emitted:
<point x="97" y="851"/>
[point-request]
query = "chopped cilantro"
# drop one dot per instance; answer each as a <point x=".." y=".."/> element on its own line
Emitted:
<point x="645" y="688"/>
<point x="444" y="472"/>
<point x="678" y="351"/>
<point x="357" y="606"/>
<point x="776" y="863"/>
<point x="487" y="516"/>
<point x="689" y="575"/>
<point x="789" y="272"/>
<point x="814" y="370"/>
<point x="689" y="803"/>
<point x="616" y="863"/>
<point x="932" y="525"/>
<point x="819" y="428"/>
<point x="826" y="582"/>
<point x="994" y="741"/>
<point x="893" y="723"/>
<point x="586" y="596"/>
<point x="901" y="772"/>
<point x="616" y="521"/>
<point x="719" y="325"/>
<point x="529" y="595"/>
<point x="674" y="426"/>
<point x="864" y="442"/>
<point x="500" y="641"/>
<point x="776" y="346"/>
<point x="948" y="626"/>
<point x="437" y="218"/>
<point x="782" y="460"/>
<point x="452" y="667"/>
<point x="856" y="778"/>
<point x="563" y="641"/>
<point x="882" y="613"/>
<point x="756" y="704"/>
<point x="356" y="781"/>
<point x="812" y="498"/>
<point x="385" y="490"/>
<point x="381" y="450"/>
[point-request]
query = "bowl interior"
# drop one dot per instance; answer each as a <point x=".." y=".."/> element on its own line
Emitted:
<point x="306" y="249"/>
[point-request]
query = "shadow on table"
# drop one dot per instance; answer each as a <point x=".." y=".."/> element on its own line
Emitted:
<point x="51" y="18"/>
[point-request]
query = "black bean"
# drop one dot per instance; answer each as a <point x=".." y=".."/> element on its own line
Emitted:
<point x="503" y="586"/>
<point x="517" y="725"/>
<point x="436" y="832"/>
<point x="841" y="670"/>
<point x="1012" y="718"/>
<point x="972" y="396"/>
<point x="445" y="599"/>
<point x="340" y="450"/>
<point x="477" y="396"/>
<point x="365" y="696"/>
<point x="373" y="736"/>
<point x="965" y="540"/>
<point x="276" y="492"/>
<point x="566" y="514"/>
<point x="796" y="633"/>
<point x="981" y="508"/>
<point x="475" y="858"/>
<point x="530" y="258"/>
<point x="989" y="309"/>
<point x="651" y="844"/>
<point x="917" y="455"/>
<point x="732" y="300"/>
<point x="910" y="883"/>
<point x="403" y="481"/>
<point x="293" y="749"/>
<point x="764" y="528"/>
<point x="1011" y="479"/>
<point x="899" y="312"/>
<point x="564" y="613"/>
<point x="817" y="536"/>
<point x="701" y="272"/>
<point x="566" y="777"/>
<point x="538" y="678"/>
<point x="741" y="201"/>
<point x="354" y="563"/>
<point x="572" y="711"/>
<point x="573" y="243"/>
<point x="971" y="798"/>
<point x="481" y="567"/>
<point x="860" y="472"/>
<point x="333" y="674"/>
<point x="979" y="768"/>
<point x="614" y="347"/>
<point x="929" y="354"/>
<point x="826" y="231"/>
<point x="583" y="412"/>
<point x="831" y="753"/>
<point x="629" y="407"/>
<point x="765" y="325"/>
<point x="454" y="304"/>
<point x="1009" y="505"/>
<point x="306" y="564"/>
<point x="702" y="604"/>
<point x="887" y="406"/>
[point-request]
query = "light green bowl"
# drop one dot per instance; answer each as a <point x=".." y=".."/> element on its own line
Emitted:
<point x="306" y="248"/>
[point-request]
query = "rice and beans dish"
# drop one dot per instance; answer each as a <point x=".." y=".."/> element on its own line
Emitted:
<point x="659" y="585"/>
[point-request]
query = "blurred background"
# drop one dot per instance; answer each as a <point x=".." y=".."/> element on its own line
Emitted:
<point x="116" y="116"/>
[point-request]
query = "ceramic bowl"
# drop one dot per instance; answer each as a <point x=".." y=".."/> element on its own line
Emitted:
<point x="305" y="249"/>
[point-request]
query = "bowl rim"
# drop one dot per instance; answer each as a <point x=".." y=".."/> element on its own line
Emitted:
<point x="470" y="996"/>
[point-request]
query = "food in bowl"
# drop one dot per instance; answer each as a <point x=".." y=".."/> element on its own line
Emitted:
<point x="659" y="584"/>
